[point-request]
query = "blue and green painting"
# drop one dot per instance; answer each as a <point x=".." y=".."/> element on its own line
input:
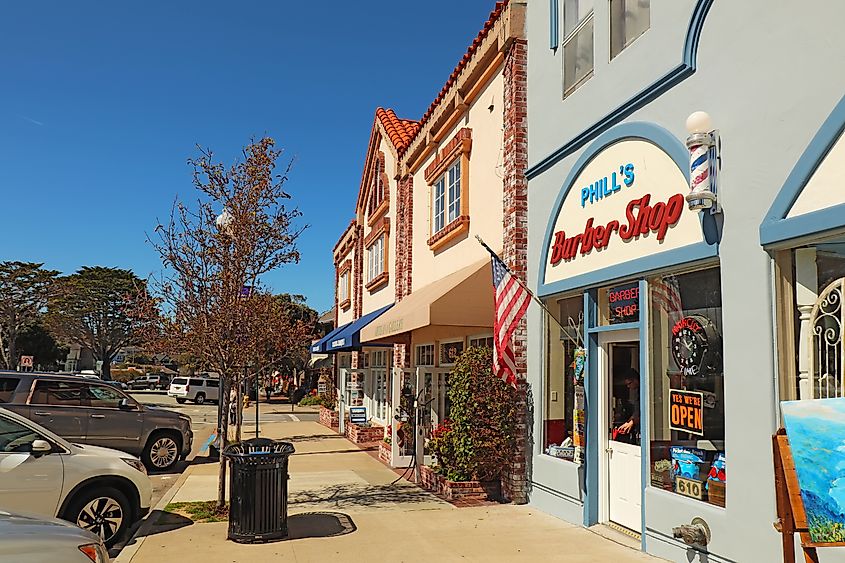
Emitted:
<point x="816" y="431"/>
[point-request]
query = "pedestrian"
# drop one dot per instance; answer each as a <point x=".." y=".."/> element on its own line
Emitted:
<point x="233" y="406"/>
<point x="268" y="390"/>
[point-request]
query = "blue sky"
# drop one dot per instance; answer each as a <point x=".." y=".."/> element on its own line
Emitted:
<point x="101" y="103"/>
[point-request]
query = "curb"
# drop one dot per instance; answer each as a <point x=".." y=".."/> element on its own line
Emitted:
<point x="130" y="549"/>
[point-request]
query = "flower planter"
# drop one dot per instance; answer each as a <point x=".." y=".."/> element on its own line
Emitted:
<point x="363" y="434"/>
<point x="459" y="490"/>
<point x="384" y="452"/>
<point x="329" y="418"/>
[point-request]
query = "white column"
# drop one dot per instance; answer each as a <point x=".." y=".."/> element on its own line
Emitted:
<point x="806" y="293"/>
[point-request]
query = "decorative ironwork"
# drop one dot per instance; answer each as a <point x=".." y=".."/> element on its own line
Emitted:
<point x="826" y="345"/>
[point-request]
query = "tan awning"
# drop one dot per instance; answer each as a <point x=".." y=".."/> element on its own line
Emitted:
<point x="463" y="298"/>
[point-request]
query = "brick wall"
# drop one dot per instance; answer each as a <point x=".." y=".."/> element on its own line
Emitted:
<point x="516" y="241"/>
<point x="363" y="434"/>
<point x="358" y="269"/>
<point x="404" y="236"/>
<point x="329" y="418"/>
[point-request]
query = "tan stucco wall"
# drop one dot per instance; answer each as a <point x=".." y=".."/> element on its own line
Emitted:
<point x="485" y="192"/>
<point x="385" y="294"/>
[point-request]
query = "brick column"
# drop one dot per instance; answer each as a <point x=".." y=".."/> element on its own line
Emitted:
<point x="358" y="272"/>
<point x="404" y="236"/>
<point x="514" y="482"/>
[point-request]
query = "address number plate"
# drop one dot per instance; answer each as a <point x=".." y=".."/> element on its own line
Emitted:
<point x="689" y="487"/>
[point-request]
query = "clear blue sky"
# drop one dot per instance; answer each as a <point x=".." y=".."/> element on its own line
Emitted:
<point x="101" y="103"/>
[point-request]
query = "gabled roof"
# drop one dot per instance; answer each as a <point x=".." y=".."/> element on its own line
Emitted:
<point x="399" y="131"/>
<point x="471" y="50"/>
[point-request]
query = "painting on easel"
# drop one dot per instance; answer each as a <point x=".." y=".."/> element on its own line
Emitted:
<point x="816" y="431"/>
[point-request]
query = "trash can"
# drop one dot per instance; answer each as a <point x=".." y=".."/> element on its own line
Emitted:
<point x="258" y="490"/>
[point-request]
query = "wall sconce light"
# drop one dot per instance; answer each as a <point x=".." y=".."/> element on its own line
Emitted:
<point x="703" y="144"/>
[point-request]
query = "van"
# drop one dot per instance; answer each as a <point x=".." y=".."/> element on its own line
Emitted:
<point x="196" y="389"/>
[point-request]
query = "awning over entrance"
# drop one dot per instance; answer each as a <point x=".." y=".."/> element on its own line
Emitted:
<point x="349" y="336"/>
<point x="319" y="347"/>
<point x="463" y="298"/>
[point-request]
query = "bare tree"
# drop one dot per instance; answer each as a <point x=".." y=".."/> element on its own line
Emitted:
<point x="210" y="300"/>
<point x="24" y="290"/>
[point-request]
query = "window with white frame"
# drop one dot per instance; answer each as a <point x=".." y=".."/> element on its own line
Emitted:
<point x="481" y="342"/>
<point x="343" y="287"/>
<point x="375" y="259"/>
<point x="425" y="355"/>
<point x="628" y="20"/>
<point x="446" y="205"/>
<point x="577" y="43"/>
<point x="379" y="365"/>
<point x="450" y="351"/>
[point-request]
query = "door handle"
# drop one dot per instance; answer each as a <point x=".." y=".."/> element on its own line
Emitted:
<point x="41" y="413"/>
<point x="98" y="416"/>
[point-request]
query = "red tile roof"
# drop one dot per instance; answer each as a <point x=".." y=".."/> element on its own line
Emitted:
<point x="400" y="131"/>
<point x="488" y="25"/>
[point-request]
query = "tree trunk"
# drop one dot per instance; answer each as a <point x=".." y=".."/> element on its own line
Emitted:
<point x="105" y="374"/>
<point x="222" y="429"/>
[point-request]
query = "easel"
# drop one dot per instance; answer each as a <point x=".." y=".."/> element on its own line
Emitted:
<point x="791" y="515"/>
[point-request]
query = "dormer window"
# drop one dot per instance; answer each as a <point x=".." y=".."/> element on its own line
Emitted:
<point x="577" y="43"/>
<point x="628" y="20"/>
<point x="447" y="177"/>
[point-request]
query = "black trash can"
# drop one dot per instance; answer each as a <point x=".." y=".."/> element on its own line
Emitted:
<point x="258" y="490"/>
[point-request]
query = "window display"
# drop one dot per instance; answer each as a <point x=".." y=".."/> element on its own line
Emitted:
<point x="687" y="386"/>
<point x="564" y="361"/>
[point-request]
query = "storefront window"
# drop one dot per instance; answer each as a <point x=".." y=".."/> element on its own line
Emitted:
<point x="425" y="355"/>
<point x="559" y="393"/>
<point x="687" y="386"/>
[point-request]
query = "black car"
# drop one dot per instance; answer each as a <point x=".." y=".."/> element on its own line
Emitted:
<point x="90" y="411"/>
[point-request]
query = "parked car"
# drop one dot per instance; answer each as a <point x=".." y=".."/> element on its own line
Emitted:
<point x="87" y="411"/>
<point x="152" y="382"/>
<point x="27" y="539"/>
<point x="101" y="490"/>
<point x="196" y="389"/>
<point x="119" y="384"/>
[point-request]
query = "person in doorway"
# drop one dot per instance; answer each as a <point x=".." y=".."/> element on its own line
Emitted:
<point x="631" y="428"/>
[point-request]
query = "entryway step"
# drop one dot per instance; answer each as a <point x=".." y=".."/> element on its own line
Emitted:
<point x="619" y="534"/>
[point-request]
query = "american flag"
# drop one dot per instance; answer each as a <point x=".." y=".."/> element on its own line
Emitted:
<point x="512" y="300"/>
<point x="667" y="296"/>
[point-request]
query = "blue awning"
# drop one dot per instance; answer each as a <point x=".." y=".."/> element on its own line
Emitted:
<point x="320" y="346"/>
<point x="348" y="337"/>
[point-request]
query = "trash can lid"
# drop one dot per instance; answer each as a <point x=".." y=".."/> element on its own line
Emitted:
<point x="259" y="447"/>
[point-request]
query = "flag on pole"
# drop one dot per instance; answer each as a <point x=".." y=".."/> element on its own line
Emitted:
<point x="667" y="296"/>
<point x="512" y="300"/>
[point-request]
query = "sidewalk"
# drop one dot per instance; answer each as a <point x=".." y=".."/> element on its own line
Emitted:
<point x="343" y="506"/>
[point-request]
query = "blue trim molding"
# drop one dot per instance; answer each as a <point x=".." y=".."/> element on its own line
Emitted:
<point x="684" y="70"/>
<point x="645" y="421"/>
<point x="676" y="150"/>
<point x="554" y="24"/>
<point x="776" y="227"/>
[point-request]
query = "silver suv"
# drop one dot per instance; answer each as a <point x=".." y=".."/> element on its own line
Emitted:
<point x="89" y="411"/>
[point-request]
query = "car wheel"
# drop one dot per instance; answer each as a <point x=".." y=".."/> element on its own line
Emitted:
<point x="200" y="398"/>
<point x="104" y="511"/>
<point x="161" y="452"/>
<point x="180" y="401"/>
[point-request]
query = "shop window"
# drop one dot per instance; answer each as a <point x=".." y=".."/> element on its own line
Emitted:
<point x="559" y="385"/>
<point x="687" y="394"/>
<point x="343" y="290"/>
<point x="450" y="351"/>
<point x="577" y="43"/>
<point x="481" y="342"/>
<point x="628" y="20"/>
<point x="425" y="355"/>
<point x="379" y="364"/>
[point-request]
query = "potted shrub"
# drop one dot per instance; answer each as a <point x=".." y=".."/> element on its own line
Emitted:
<point x="477" y="443"/>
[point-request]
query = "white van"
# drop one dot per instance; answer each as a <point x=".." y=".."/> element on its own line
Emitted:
<point x="196" y="389"/>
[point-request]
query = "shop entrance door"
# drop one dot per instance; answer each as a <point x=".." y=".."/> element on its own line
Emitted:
<point x="622" y="467"/>
<point x="403" y="394"/>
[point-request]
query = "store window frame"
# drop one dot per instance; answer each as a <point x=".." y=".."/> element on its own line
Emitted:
<point x="619" y="25"/>
<point x="475" y="340"/>
<point x="448" y="180"/>
<point x="344" y="285"/>
<point x="428" y="348"/>
<point x="442" y="347"/>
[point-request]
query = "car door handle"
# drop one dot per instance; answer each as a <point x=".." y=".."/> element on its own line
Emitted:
<point x="98" y="416"/>
<point x="41" y="413"/>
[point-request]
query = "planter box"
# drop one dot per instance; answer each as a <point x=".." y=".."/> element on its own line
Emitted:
<point x="329" y="418"/>
<point x="359" y="434"/>
<point x="459" y="490"/>
<point x="384" y="452"/>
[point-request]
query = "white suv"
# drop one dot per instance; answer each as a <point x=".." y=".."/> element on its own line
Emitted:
<point x="98" y="489"/>
<point x="196" y="389"/>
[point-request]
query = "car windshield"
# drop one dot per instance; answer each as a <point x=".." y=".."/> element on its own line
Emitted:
<point x="180" y="381"/>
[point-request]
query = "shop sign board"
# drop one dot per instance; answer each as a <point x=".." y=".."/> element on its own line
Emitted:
<point x="686" y="411"/>
<point x="358" y="415"/>
<point x="627" y="202"/>
<point x="624" y="303"/>
<point x="689" y="487"/>
<point x="321" y="387"/>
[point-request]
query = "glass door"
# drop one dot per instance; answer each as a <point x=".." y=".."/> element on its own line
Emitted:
<point x="402" y="435"/>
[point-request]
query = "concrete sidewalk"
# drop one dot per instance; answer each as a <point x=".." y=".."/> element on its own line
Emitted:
<point x="343" y="506"/>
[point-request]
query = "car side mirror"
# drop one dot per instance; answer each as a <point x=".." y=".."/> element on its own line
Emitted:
<point x="125" y="405"/>
<point x="41" y="447"/>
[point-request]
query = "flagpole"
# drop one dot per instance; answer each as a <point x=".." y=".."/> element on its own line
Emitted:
<point x="525" y="287"/>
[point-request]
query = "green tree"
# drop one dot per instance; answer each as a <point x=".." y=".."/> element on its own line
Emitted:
<point x="95" y="308"/>
<point x="36" y="341"/>
<point x="297" y="311"/>
<point x="24" y="290"/>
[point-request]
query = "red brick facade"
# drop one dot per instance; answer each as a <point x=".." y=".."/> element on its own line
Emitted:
<point x="514" y="485"/>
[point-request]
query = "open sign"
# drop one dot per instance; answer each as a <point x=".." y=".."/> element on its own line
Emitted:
<point x="686" y="411"/>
